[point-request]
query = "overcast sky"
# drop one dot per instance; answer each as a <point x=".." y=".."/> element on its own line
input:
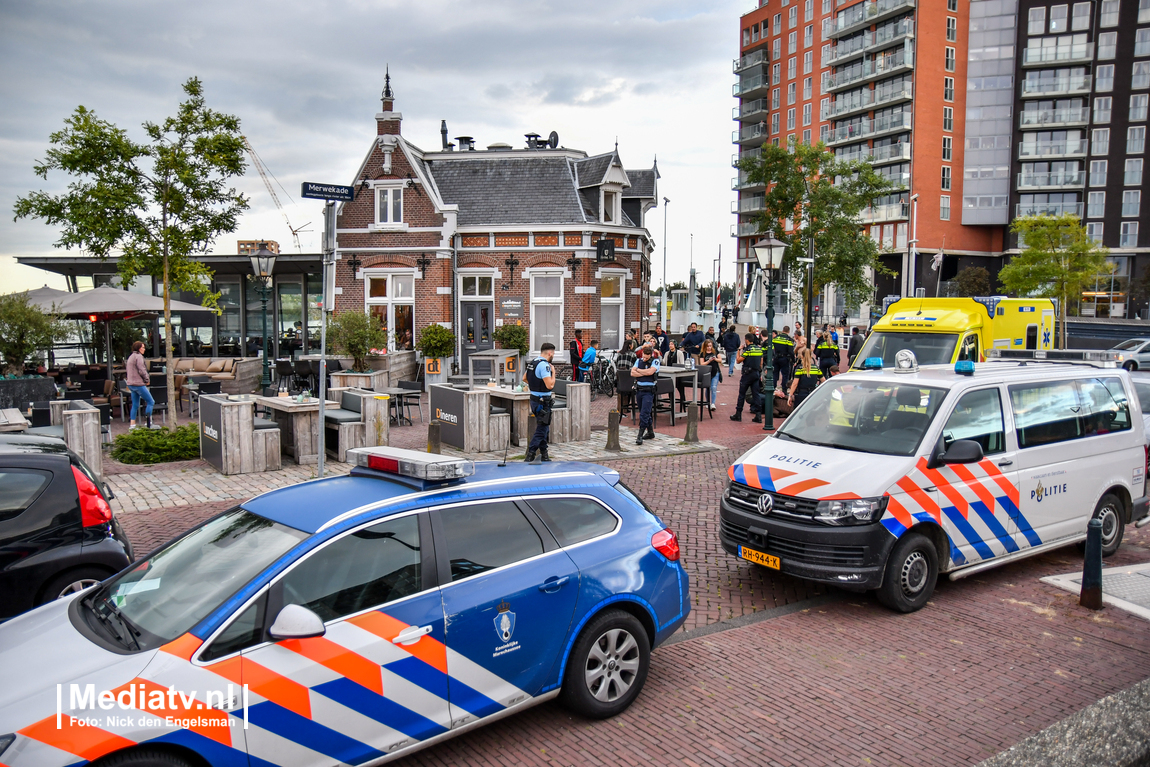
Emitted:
<point x="305" y="78"/>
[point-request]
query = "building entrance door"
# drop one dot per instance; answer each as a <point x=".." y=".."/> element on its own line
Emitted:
<point x="476" y="336"/>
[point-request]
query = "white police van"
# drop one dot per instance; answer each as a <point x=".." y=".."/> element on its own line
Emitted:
<point x="883" y="479"/>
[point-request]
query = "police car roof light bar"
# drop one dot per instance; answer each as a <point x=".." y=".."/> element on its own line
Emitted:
<point x="1092" y="357"/>
<point x="412" y="463"/>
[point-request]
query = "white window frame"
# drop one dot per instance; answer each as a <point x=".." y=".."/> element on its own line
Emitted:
<point x="944" y="207"/>
<point x="475" y="273"/>
<point x="391" y="301"/>
<point x="390" y="192"/>
<point x="614" y="304"/>
<point x="952" y="29"/>
<point x="547" y="301"/>
<point x="616" y="206"/>
<point x="949" y="59"/>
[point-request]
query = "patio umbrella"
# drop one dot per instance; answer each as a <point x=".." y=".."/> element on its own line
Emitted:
<point x="47" y="297"/>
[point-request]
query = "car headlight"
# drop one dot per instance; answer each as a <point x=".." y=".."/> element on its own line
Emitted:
<point x="850" y="511"/>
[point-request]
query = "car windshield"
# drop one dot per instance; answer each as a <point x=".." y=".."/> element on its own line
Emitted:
<point x="1126" y="346"/>
<point x="171" y="591"/>
<point x="928" y="348"/>
<point x="868" y="416"/>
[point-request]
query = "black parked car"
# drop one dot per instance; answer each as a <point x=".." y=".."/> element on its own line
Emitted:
<point x="57" y="532"/>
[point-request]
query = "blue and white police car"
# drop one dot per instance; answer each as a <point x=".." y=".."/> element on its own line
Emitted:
<point x="351" y="620"/>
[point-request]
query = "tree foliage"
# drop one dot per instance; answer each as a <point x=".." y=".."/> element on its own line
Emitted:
<point x="155" y="203"/>
<point x="356" y="334"/>
<point x="1059" y="261"/>
<point x="512" y="337"/>
<point x="25" y="329"/>
<point x="972" y="281"/>
<point x="801" y="186"/>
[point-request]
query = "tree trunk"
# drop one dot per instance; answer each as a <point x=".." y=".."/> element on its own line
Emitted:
<point x="171" y="367"/>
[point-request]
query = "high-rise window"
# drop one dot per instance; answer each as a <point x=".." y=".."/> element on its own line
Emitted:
<point x="792" y="68"/>
<point x="775" y="125"/>
<point x="952" y="5"/>
<point x="808" y="10"/>
<point x="1136" y="139"/>
<point x="945" y="177"/>
<point x="1138" y="103"/>
<point x="1129" y="235"/>
<point x="1107" y="45"/>
<point x="1100" y="141"/>
<point x="746" y="37"/>
<point x="1096" y="204"/>
<point x="1144" y="11"/>
<point x="808" y="62"/>
<point x="1057" y="18"/>
<point x="1098" y="173"/>
<point x="792" y="42"/>
<point x="948" y="89"/>
<point x="755" y="33"/>
<point x="776" y="74"/>
<point x="1104" y="78"/>
<point x="1133" y="172"/>
<point x="1131" y="202"/>
<point x="807" y="114"/>
<point x="1142" y="42"/>
<point x="809" y="36"/>
<point x="790" y="93"/>
<point x="1109" y="16"/>
<point x="1140" y="75"/>
<point x="778" y="23"/>
<point x="1094" y="231"/>
<point x="1036" y="21"/>
<point x="1102" y="108"/>
<point x="777" y="48"/>
<point x="948" y="118"/>
<point x="947" y="147"/>
<point x="793" y="17"/>
<point x="944" y="207"/>
<point x="808" y="87"/>
<point x="775" y="99"/>
<point x="791" y="118"/>
<point x="807" y="137"/>
<point x="951" y="28"/>
<point x="1081" y="17"/>
<point x="826" y="7"/>
<point x="948" y="62"/>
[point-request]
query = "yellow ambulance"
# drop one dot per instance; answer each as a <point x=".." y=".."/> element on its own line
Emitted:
<point x="945" y="330"/>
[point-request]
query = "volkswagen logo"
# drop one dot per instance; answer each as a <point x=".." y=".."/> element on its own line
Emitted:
<point x="766" y="503"/>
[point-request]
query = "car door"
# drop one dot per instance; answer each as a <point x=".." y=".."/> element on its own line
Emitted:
<point x="376" y="681"/>
<point x="509" y="594"/>
<point x="1142" y="355"/>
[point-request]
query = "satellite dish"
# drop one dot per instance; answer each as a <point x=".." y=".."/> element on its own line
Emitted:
<point x="553" y="140"/>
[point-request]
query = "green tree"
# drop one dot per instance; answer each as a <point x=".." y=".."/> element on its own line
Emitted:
<point x="801" y="186"/>
<point x="1059" y="261"/>
<point x="972" y="281"/>
<point x="25" y="330"/>
<point x="156" y="203"/>
<point x="356" y="334"/>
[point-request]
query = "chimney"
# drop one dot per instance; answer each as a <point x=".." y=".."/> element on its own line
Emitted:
<point x="466" y="143"/>
<point x="388" y="120"/>
<point x="443" y="133"/>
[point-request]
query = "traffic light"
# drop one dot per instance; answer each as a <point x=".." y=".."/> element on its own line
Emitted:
<point x="701" y="298"/>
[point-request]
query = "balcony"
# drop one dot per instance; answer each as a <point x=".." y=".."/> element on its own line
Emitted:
<point x="749" y="87"/>
<point x="745" y="229"/>
<point x="761" y="56"/>
<point x="741" y="184"/>
<point x="749" y="205"/>
<point x="1048" y="209"/>
<point x="1027" y="149"/>
<point x="750" y="134"/>
<point x="849" y="49"/>
<point x="883" y="66"/>
<point x="1050" y="118"/>
<point x="1083" y="53"/>
<point x="877" y="215"/>
<point x="882" y="154"/>
<point x="1054" y="87"/>
<point x="751" y="111"/>
<point x="870" y="13"/>
<point x="868" y="100"/>
<point x="1072" y="179"/>
<point x="747" y="154"/>
<point x="869" y="128"/>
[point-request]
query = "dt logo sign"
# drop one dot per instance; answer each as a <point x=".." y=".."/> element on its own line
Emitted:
<point x="432" y="366"/>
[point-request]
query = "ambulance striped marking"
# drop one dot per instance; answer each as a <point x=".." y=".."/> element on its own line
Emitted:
<point x="800" y="486"/>
<point x="88" y="743"/>
<point x="266" y="683"/>
<point x="427" y="649"/>
<point x="310" y="734"/>
<point x="971" y="535"/>
<point x="995" y="526"/>
<point x="340" y="660"/>
<point x="379" y="708"/>
<point x="920" y="496"/>
<point x="1023" y="526"/>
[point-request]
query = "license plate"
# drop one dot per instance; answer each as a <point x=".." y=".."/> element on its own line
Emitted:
<point x="759" y="558"/>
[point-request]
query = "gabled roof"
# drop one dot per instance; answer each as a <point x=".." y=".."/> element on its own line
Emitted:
<point x="509" y="190"/>
<point x="642" y="183"/>
<point x="593" y="170"/>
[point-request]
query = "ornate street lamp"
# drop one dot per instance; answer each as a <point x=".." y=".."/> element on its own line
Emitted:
<point x="769" y="253"/>
<point x="263" y="262"/>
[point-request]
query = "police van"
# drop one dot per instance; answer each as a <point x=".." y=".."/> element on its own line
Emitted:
<point x="883" y="479"/>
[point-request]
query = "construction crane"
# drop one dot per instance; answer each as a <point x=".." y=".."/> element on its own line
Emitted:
<point x="264" y="173"/>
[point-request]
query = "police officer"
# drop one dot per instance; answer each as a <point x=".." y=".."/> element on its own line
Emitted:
<point x="784" y="361"/>
<point x="540" y="382"/>
<point x="751" y="355"/>
<point x="645" y="371"/>
<point x="827" y="351"/>
<point x="807" y="378"/>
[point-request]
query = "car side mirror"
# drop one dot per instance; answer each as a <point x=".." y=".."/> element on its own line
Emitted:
<point x="963" y="451"/>
<point x="297" y="622"/>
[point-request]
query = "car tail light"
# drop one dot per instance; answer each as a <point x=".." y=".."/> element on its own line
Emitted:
<point x="94" y="510"/>
<point x="666" y="544"/>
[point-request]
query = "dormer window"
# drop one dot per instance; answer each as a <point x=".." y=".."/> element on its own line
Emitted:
<point x="389" y="206"/>
<point x="610" y="207"/>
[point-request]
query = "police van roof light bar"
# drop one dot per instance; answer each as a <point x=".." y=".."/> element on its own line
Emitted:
<point x="1092" y="357"/>
<point x="412" y="463"/>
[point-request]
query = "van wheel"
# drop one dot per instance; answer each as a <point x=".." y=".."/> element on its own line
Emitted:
<point x="607" y="667"/>
<point x="1130" y="365"/>
<point x="911" y="574"/>
<point x="1112" y="513"/>
<point x="144" y="757"/>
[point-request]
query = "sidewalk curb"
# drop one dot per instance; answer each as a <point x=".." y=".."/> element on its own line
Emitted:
<point x="752" y="618"/>
<point x="1114" y="732"/>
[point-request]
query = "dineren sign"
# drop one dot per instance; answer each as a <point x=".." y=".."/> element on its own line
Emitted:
<point x="211" y="708"/>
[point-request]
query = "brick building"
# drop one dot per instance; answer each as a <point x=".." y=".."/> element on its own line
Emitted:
<point x="472" y="239"/>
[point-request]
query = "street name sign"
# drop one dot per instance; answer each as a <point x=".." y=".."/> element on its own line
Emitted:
<point x="328" y="192"/>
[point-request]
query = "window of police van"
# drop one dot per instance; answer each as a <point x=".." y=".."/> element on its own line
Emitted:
<point x="928" y="348"/>
<point x="977" y="417"/>
<point x="1057" y="411"/>
<point x="865" y="416"/>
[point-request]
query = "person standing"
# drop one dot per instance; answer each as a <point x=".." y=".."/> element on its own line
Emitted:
<point x="674" y="356"/>
<point x="784" y="362"/>
<point x="731" y="346"/>
<point x="575" y="351"/>
<point x="645" y="371"/>
<point x="138" y="382"/>
<point x="827" y="351"/>
<point x="540" y="382"/>
<point x="709" y="357"/>
<point x="710" y="334"/>
<point x="751" y="355"/>
<point x="854" y="346"/>
<point x="806" y="379"/>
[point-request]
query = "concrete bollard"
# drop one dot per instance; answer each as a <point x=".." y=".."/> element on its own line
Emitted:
<point x="434" y="440"/>
<point x="1091" y="594"/>
<point x="692" y="423"/>
<point x="613" y="430"/>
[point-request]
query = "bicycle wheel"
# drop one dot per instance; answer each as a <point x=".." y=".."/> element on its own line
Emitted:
<point x="609" y="381"/>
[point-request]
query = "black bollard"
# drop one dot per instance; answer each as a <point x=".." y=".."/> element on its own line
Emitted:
<point x="613" y="431"/>
<point x="1091" y="595"/>
<point x="434" y="442"/>
<point x="692" y="423"/>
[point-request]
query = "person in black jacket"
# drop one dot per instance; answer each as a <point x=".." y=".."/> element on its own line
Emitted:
<point x="854" y="346"/>
<point x="807" y="377"/>
<point x="827" y="351"/>
<point x="731" y="344"/>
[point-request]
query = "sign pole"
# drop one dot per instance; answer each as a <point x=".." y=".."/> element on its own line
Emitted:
<point x="328" y="252"/>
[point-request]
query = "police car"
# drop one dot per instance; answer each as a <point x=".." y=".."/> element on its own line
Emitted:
<point x="883" y="479"/>
<point x="351" y="620"/>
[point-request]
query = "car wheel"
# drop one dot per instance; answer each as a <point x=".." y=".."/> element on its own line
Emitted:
<point x="143" y="757"/>
<point x="607" y="667"/>
<point x="1130" y="365"/>
<point x="911" y="574"/>
<point x="71" y="582"/>
<point x="1112" y="513"/>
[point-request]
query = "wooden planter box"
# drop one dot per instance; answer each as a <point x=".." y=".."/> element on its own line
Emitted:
<point x="376" y="379"/>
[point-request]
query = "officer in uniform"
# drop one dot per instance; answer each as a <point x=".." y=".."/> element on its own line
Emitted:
<point x="645" y="371"/>
<point x="827" y="351"/>
<point x="751" y="355"/>
<point x="784" y="349"/>
<point x="540" y="382"/>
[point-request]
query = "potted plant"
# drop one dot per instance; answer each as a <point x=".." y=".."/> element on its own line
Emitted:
<point x="437" y="345"/>
<point x="355" y="334"/>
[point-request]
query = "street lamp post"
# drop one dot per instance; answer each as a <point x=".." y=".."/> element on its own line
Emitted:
<point x="810" y="286"/>
<point x="769" y="253"/>
<point x="663" y="319"/>
<point x="263" y="262"/>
